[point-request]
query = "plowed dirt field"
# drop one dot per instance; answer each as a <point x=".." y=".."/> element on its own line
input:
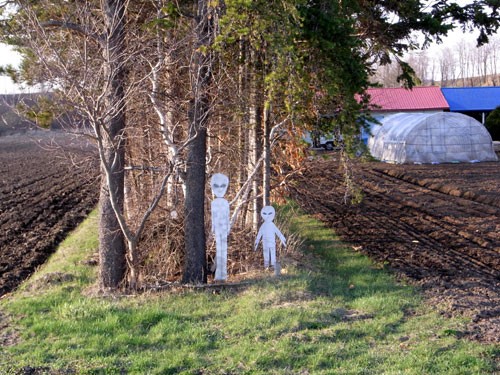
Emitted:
<point x="437" y="226"/>
<point x="48" y="184"/>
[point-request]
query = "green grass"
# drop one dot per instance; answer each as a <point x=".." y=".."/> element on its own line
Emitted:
<point x="340" y="314"/>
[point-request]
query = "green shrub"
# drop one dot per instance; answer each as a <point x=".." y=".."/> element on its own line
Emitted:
<point x="493" y="124"/>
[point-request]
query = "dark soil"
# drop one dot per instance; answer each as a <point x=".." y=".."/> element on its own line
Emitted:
<point x="48" y="185"/>
<point x="437" y="226"/>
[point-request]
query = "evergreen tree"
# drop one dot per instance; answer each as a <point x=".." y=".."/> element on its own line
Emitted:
<point x="493" y="124"/>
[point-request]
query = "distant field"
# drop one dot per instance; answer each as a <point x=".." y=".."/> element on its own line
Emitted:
<point x="10" y="122"/>
<point x="48" y="185"/>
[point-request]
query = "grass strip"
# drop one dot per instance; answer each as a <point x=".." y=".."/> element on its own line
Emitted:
<point x="333" y="313"/>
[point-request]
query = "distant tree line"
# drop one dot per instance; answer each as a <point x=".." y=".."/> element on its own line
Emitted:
<point x="464" y="64"/>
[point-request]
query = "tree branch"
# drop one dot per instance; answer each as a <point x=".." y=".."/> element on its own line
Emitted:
<point x="72" y="27"/>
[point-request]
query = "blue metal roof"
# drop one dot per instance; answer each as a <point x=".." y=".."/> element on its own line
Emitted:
<point x="472" y="98"/>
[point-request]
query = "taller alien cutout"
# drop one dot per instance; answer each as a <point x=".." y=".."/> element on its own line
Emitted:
<point x="267" y="232"/>
<point x="220" y="223"/>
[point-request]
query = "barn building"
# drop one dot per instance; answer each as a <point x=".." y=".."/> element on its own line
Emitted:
<point x="388" y="101"/>
<point x="476" y="102"/>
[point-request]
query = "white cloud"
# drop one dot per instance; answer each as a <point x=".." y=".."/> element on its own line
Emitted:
<point x="8" y="57"/>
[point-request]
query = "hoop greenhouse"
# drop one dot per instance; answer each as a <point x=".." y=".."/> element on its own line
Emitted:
<point x="439" y="137"/>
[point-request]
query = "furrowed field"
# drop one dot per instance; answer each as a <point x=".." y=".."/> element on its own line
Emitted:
<point x="48" y="185"/>
<point x="437" y="226"/>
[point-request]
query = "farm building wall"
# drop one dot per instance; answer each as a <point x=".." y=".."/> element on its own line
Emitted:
<point x="431" y="138"/>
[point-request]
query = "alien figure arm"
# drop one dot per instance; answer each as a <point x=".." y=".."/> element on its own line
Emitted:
<point x="257" y="240"/>
<point x="280" y="236"/>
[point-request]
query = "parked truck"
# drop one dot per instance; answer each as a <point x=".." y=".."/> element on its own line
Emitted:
<point x="320" y="140"/>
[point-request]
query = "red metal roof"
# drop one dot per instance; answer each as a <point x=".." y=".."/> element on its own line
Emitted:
<point x="401" y="99"/>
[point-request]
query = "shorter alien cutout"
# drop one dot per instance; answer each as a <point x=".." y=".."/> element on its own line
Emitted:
<point x="267" y="233"/>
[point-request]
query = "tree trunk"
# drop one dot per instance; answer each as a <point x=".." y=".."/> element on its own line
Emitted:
<point x="112" y="265"/>
<point x="266" y="185"/>
<point x="256" y="132"/>
<point x="112" y="250"/>
<point x="194" y="225"/>
<point x="243" y="121"/>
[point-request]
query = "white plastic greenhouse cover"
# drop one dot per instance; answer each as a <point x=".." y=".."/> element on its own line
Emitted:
<point x="442" y="137"/>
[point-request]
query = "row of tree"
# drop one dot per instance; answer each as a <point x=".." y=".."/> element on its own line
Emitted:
<point x="463" y="64"/>
<point x="172" y="91"/>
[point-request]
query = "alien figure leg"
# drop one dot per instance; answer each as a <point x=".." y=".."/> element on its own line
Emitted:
<point x="221" y="258"/>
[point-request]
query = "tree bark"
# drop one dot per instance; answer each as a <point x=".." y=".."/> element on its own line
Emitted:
<point x="112" y="249"/>
<point x="194" y="224"/>
<point x="266" y="180"/>
<point x="195" y="268"/>
<point x="256" y="132"/>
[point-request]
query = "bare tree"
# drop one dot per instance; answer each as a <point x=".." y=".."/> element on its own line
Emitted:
<point x="86" y="59"/>
<point x="387" y="75"/>
<point x="463" y="61"/>
<point x="461" y="64"/>
<point x="447" y="65"/>
<point x="109" y="132"/>
<point x="493" y="61"/>
<point x="420" y="63"/>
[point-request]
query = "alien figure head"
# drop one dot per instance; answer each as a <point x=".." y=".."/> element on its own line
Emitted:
<point x="267" y="213"/>
<point x="219" y="184"/>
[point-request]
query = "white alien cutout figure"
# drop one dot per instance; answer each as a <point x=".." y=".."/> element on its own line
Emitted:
<point x="220" y="223"/>
<point x="267" y="233"/>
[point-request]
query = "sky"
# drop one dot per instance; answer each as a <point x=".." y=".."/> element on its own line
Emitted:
<point x="452" y="40"/>
<point x="8" y="57"/>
